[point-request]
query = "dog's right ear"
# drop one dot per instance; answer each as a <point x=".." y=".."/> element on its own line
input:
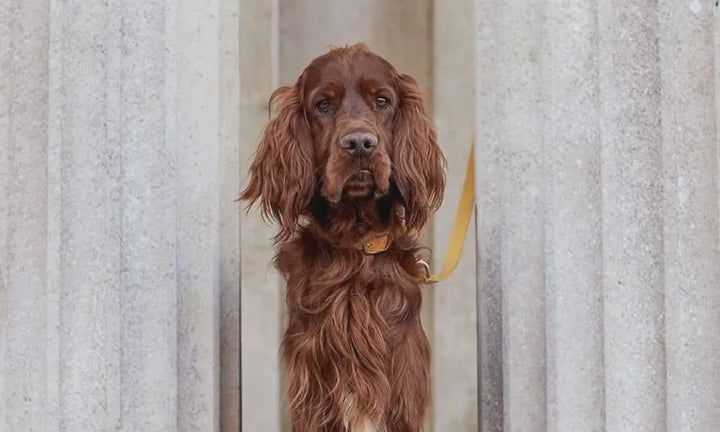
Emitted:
<point x="282" y="172"/>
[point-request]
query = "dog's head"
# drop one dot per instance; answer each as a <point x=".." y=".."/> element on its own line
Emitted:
<point x="351" y="128"/>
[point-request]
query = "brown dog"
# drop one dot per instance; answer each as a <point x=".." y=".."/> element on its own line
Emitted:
<point x="349" y="167"/>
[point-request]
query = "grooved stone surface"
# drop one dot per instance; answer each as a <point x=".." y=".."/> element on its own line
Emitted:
<point x="599" y="249"/>
<point x="111" y="222"/>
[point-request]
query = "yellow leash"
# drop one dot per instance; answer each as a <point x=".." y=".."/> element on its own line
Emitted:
<point x="380" y="243"/>
<point x="461" y="224"/>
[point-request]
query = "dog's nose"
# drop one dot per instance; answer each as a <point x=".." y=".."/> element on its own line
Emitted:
<point x="359" y="143"/>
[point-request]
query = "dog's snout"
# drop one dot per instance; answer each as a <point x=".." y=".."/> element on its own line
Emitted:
<point x="359" y="143"/>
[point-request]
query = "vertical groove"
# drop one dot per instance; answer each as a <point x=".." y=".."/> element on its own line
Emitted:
<point x="137" y="106"/>
<point x="229" y="226"/>
<point x="260" y="314"/>
<point x="454" y="323"/>
<point x="6" y="17"/>
<point x="523" y="282"/>
<point x="598" y="89"/>
<point x="632" y="216"/>
<point x="489" y="204"/>
<point x="573" y="249"/>
<point x="170" y="136"/>
<point x="22" y="302"/>
<point x="89" y="220"/>
<point x="53" y="337"/>
<point x="117" y="48"/>
<point x="197" y="188"/>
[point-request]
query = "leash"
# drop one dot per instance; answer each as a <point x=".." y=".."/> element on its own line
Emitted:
<point x="380" y="243"/>
<point x="463" y="214"/>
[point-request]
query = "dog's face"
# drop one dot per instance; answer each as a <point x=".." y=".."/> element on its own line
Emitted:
<point x="350" y="108"/>
<point x="351" y="129"/>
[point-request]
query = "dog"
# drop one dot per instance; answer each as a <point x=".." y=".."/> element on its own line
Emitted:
<point x="349" y="168"/>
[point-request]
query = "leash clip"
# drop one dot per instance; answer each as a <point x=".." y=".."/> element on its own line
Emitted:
<point x="425" y="267"/>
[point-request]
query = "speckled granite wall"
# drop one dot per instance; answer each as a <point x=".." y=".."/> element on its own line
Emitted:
<point x="119" y="234"/>
<point x="599" y="268"/>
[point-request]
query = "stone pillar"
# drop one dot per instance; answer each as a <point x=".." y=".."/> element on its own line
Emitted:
<point x="231" y="177"/>
<point x="629" y="81"/>
<point x="28" y="306"/>
<point x="511" y="216"/>
<point x="261" y="286"/>
<point x="688" y="51"/>
<point x="598" y="216"/>
<point x="573" y="240"/>
<point x="118" y="226"/>
<point x="454" y="313"/>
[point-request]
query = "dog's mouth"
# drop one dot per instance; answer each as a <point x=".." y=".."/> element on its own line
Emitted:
<point x="357" y="180"/>
<point x="360" y="184"/>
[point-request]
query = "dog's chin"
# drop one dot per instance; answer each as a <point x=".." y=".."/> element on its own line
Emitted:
<point x="359" y="186"/>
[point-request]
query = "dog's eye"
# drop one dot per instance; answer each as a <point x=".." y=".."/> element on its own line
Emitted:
<point x="382" y="103"/>
<point x="323" y="106"/>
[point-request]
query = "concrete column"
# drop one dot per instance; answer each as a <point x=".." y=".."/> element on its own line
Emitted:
<point x="230" y="181"/>
<point x="573" y="208"/>
<point x="261" y="287"/>
<point x="111" y="216"/>
<point x="522" y="213"/>
<point x="602" y="122"/>
<point x="630" y="90"/>
<point x="135" y="111"/>
<point x="489" y="193"/>
<point x="454" y="345"/>
<point x="192" y="30"/>
<point x="25" y="360"/>
<point x="692" y="245"/>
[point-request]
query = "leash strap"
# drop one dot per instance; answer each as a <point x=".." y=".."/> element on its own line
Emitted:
<point x="461" y="224"/>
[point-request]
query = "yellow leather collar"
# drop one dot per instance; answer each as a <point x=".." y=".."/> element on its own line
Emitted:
<point x="375" y="244"/>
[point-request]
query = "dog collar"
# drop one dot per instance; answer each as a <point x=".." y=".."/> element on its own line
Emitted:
<point x="375" y="244"/>
<point x="378" y="243"/>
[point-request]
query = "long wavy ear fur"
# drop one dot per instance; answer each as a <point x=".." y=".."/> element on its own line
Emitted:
<point x="282" y="172"/>
<point x="419" y="164"/>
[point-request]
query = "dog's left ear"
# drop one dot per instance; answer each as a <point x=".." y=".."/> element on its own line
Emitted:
<point x="282" y="173"/>
<point x="419" y="165"/>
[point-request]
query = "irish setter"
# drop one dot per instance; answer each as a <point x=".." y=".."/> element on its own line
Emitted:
<point x="350" y="168"/>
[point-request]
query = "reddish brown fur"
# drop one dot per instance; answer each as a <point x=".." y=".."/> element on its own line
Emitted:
<point x="354" y="348"/>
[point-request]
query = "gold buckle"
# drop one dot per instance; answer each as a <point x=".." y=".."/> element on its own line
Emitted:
<point x="376" y="244"/>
